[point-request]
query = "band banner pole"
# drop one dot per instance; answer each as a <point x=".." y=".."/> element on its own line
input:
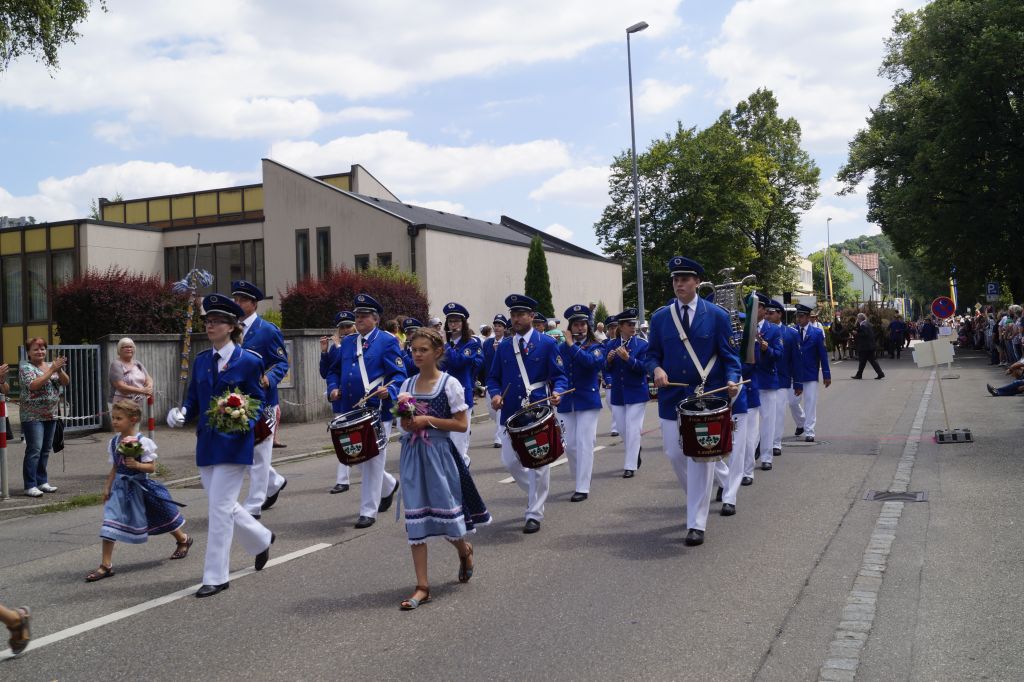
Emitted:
<point x="5" y="492"/>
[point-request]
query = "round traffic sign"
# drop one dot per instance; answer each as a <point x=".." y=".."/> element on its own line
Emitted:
<point x="943" y="307"/>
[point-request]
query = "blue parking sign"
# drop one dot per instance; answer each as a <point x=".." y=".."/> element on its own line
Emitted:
<point x="992" y="292"/>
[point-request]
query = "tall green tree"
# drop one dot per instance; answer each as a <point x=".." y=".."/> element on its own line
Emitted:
<point x="538" y="285"/>
<point x="39" y="28"/>
<point x="944" y="149"/>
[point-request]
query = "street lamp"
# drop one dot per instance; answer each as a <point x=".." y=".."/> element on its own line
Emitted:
<point x="635" y="28"/>
<point x="903" y="310"/>
<point x="828" y="265"/>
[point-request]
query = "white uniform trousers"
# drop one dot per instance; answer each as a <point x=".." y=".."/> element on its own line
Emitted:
<point x="497" y="422"/>
<point x="631" y="417"/>
<point x="695" y="477"/>
<point x="264" y="480"/>
<point x="608" y="401"/>
<point x="534" y="482"/>
<point x="781" y="402"/>
<point x="343" y="477"/>
<point x="753" y="428"/>
<point x="768" y="417"/>
<point x="810" y="410"/>
<point x="796" y="409"/>
<point x="579" y="430"/>
<point x="375" y="481"/>
<point x="737" y="460"/>
<point x="460" y="439"/>
<point x="228" y="520"/>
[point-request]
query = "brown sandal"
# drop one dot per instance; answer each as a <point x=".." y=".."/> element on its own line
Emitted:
<point x="465" y="570"/>
<point x="182" y="551"/>
<point x="100" y="573"/>
<point x="20" y="633"/>
<point x="411" y="603"/>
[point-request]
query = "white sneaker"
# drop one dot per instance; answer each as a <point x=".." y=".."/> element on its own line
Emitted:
<point x="47" y="488"/>
<point x="34" y="492"/>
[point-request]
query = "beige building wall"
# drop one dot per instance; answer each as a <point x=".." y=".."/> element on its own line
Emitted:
<point x="212" y="235"/>
<point x="103" y="246"/>
<point x="364" y="183"/>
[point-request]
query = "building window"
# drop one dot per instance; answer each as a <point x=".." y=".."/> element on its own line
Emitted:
<point x="11" y="266"/>
<point x="230" y="265"/>
<point x="323" y="251"/>
<point x="62" y="267"/>
<point x="227" y="261"/>
<point x="384" y="260"/>
<point x="37" y="304"/>
<point x="362" y="262"/>
<point x="301" y="254"/>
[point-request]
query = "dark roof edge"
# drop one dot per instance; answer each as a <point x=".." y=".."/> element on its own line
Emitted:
<point x="569" y="246"/>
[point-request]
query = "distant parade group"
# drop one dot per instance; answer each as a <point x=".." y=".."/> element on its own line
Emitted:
<point x="722" y="384"/>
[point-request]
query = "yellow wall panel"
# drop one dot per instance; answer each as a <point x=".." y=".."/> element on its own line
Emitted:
<point x="10" y="242"/>
<point x="254" y="199"/>
<point x="339" y="181"/>
<point x="159" y="209"/>
<point x="135" y="212"/>
<point x="12" y="339"/>
<point x="231" y="201"/>
<point x="181" y="207"/>
<point x="35" y="240"/>
<point x="54" y="335"/>
<point x="62" y="237"/>
<point x="114" y="213"/>
<point x="206" y="204"/>
<point x="34" y="330"/>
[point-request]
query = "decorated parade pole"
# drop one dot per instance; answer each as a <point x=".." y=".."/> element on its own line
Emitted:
<point x="5" y="493"/>
<point x="191" y="283"/>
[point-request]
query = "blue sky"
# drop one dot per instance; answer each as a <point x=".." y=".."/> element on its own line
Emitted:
<point x="481" y="109"/>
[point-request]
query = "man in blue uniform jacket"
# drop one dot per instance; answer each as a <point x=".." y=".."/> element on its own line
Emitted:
<point x="627" y="374"/>
<point x="223" y="458"/>
<point x="536" y="354"/>
<point x="490" y="347"/>
<point x="786" y="367"/>
<point x="689" y="344"/>
<point x="345" y="322"/>
<point x="813" y="363"/>
<point x="767" y="353"/>
<point x="371" y="363"/>
<point x="264" y="338"/>
<point x="463" y="358"/>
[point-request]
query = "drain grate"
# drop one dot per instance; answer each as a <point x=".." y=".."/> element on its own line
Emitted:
<point x="889" y="496"/>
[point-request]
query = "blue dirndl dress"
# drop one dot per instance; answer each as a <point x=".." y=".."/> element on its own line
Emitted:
<point x="438" y="492"/>
<point x="138" y="507"/>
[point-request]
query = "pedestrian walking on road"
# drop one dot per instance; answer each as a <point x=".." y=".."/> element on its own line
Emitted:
<point x="866" y="346"/>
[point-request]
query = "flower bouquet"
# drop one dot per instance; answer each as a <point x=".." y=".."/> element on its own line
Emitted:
<point x="130" y="446"/>
<point x="232" y="411"/>
<point x="406" y="406"/>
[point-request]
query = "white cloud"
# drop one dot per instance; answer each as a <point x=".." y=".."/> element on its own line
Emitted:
<point x="409" y="166"/>
<point x="370" y="114"/>
<point x="657" y="96"/>
<point x="586" y="186"/>
<point x="440" y="205"/>
<point x="560" y="231"/>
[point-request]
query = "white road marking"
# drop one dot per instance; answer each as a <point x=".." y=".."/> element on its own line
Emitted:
<point x="560" y="461"/>
<point x="95" y="623"/>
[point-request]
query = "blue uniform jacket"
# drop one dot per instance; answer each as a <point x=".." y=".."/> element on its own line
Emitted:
<point x="583" y="369"/>
<point x="629" y="377"/>
<point x="327" y="361"/>
<point x="411" y="369"/>
<point x="897" y="330"/>
<point x="265" y="339"/>
<point x="242" y="372"/>
<point x="765" y="365"/>
<point x="750" y="391"/>
<point x="813" y="356"/>
<point x="543" y="363"/>
<point x="463" y="361"/>
<point x="710" y="332"/>
<point x="789" y="363"/>
<point x="489" y="348"/>
<point x="382" y="357"/>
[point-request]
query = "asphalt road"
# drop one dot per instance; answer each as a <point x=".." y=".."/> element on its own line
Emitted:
<point x="606" y="590"/>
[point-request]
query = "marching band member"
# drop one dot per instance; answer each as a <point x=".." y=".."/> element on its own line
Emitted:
<point x="370" y="363"/>
<point x="582" y="357"/>
<point x="742" y="449"/>
<point x="786" y="366"/>
<point x="409" y="325"/>
<point x="463" y="359"/>
<point x="753" y="426"/>
<point x="628" y="393"/>
<point x="769" y="342"/>
<point x="611" y="326"/>
<point x="490" y="346"/>
<point x="223" y="458"/>
<point x="264" y="338"/>
<point x="689" y="343"/>
<point x="330" y="352"/>
<point x="813" y="359"/>
<point x="524" y="366"/>
<point x="540" y="323"/>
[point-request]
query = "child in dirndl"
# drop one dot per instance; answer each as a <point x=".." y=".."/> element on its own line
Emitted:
<point x="135" y="506"/>
<point x="439" y="495"/>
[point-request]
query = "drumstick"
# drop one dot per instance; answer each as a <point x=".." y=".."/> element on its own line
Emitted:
<point x="672" y="383"/>
<point x="725" y="388"/>
<point x="368" y="396"/>
<point x="546" y="398"/>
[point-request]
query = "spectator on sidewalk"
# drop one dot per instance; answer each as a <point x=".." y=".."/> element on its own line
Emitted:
<point x="1015" y="387"/>
<point x="128" y="378"/>
<point x="40" y="381"/>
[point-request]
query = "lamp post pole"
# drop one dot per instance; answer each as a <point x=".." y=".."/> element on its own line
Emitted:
<point x="828" y="266"/>
<point x="635" y="28"/>
<point x="903" y="310"/>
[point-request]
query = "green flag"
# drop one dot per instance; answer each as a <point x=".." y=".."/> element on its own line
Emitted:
<point x="750" y="329"/>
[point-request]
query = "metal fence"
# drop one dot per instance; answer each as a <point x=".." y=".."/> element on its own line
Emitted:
<point x="82" y="403"/>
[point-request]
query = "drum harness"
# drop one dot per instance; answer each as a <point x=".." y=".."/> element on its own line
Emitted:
<point x="702" y="370"/>
<point x="530" y="388"/>
<point x="367" y="384"/>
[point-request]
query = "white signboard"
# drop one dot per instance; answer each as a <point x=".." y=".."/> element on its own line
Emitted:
<point x="931" y="353"/>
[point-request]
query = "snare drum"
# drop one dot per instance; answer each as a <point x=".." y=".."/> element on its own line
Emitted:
<point x="536" y="436"/>
<point x="705" y="427"/>
<point x="358" y="435"/>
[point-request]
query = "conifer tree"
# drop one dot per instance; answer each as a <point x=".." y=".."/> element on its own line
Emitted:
<point x="538" y="284"/>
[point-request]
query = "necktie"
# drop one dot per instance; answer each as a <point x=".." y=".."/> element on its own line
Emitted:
<point x="686" y="319"/>
<point x="802" y="330"/>
<point x="366" y="343"/>
<point x="522" y="346"/>
<point x="216" y="367"/>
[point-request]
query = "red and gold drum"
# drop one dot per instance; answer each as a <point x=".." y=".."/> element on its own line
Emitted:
<point x="705" y="427"/>
<point x="536" y="436"/>
<point x="357" y="435"/>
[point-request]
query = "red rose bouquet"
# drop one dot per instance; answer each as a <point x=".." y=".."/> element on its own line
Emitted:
<point x="232" y="412"/>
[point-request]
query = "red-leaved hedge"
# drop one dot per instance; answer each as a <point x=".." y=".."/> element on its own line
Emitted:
<point x="116" y="302"/>
<point x="312" y="303"/>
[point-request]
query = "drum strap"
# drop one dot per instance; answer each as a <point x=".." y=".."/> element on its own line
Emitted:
<point x="530" y="388"/>
<point x="702" y="370"/>
<point x="367" y="384"/>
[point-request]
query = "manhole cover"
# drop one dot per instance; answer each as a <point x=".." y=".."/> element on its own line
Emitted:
<point x="888" y="496"/>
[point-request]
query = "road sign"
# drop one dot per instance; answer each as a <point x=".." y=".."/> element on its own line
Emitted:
<point x="943" y="307"/>
<point x="992" y="292"/>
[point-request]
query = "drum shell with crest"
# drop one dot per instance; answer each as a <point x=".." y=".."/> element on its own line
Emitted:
<point x="705" y="427"/>
<point x="357" y="435"/>
<point x="536" y="436"/>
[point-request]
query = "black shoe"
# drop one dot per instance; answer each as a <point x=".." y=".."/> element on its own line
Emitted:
<point x="728" y="509"/>
<point x="694" y="537"/>
<point x="257" y="516"/>
<point x="613" y="433"/>
<point x="263" y="557"/>
<point x="776" y="452"/>
<point x="639" y="459"/>
<point x="766" y="466"/>
<point x="365" y="522"/>
<point x="210" y="590"/>
<point x="718" y="495"/>
<point x="799" y="431"/>
<point x="273" y="498"/>
<point x="339" y="488"/>
<point x="809" y="439"/>
<point x="628" y="473"/>
<point x="531" y="526"/>
<point x="385" y="503"/>
<point x="747" y="480"/>
<point x="855" y="377"/>
<point x="880" y="376"/>
<point x="497" y="445"/>
<point x="279" y="445"/>
<point x="991" y="390"/>
<point x="578" y="497"/>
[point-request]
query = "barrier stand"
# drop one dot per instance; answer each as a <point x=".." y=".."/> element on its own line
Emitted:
<point x="5" y="493"/>
<point x="150" y="422"/>
<point x="939" y="352"/>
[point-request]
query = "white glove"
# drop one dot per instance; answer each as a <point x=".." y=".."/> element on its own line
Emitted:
<point x="176" y="417"/>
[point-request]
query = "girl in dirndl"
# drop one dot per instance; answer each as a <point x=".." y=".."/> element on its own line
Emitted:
<point x="135" y="507"/>
<point x="439" y="495"/>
